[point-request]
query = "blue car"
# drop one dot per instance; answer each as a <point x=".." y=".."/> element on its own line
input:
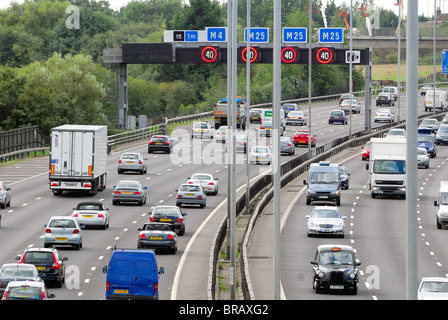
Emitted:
<point x="427" y="141"/>
<point x="337" y="116"/>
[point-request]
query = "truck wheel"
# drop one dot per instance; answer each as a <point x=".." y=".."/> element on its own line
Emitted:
<point x="57" y="192"/>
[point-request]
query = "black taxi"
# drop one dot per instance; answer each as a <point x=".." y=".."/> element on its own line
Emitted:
<point x="335" y="269"/>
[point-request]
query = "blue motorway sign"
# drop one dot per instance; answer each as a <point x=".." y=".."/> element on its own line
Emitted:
<point x="331" y="35"/>
<point x="216" y="33"/>
<point x="259" y="35"/>
<point x="295" y="35"/>
<point x="191" y="35"/>
<point x="445" y="62"/>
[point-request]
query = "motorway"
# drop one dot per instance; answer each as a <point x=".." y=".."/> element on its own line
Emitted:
<point x="33" y="205"/>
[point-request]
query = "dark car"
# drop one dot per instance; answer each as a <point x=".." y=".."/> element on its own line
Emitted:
<point x="169" y="214"/>
<point x="346" y="96"/>
<point x="160" y="143"/>
<point x="335" y="268"/>
<point x="427" y="141"/>
<point x="385" y="98"/>
<point x="344" y="176"/>
<point x="48" y="262"/>
<point x="337" y="116"/>
<point x="157" y="236"/>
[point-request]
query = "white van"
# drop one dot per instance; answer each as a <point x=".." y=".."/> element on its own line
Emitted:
<point x="441" y="102"/>
<point x="442" y="205"/>
<point x="392" y="90"/>
<point x="267" y="113"/>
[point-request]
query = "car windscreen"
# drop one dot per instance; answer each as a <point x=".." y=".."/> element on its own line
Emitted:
<point x="326" y="214"/>
<point x="443" y="198"/>
<point x="389" y="167"/>
<point x="425" y="138"/>
<point x="324" y="177"/>
<point x="434" y="286"/>
<point x="341" y="257"/>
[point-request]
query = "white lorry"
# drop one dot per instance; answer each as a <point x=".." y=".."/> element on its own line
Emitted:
<point x="387" y="167"/>
<point x="78" y="155"/>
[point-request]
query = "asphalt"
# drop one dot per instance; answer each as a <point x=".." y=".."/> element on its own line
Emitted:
<point x="193" y="277"/>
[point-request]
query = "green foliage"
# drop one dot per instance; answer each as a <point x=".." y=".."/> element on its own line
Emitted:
<point x="51" y="74"/>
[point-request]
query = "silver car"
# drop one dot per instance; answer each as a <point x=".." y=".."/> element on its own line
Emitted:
<point x="191" y="194"/>
<point x="241" y="143"/>
<point x="345" y="106"/>
<point x="202" y="130"/>
<point x="5" y="195"/>
<point x="129" y="191"/>
<point x="15" y="272"/>
<point x="422" y="158"/>
<point x="132" y="162"/>
<point x="260" y="154"/>
<point x="429" y="123"/>
<point x="27" y="290"/>
<point x="92" y="214"/>
<point x="286" y="145"/>
<point x="325" y="220"/>
<point x="297" y="117"/>
<point x="208" y="183"/>
<point x="63" y="231"/>
<point x="384" y="115"/>
<point x="221" y="134"/>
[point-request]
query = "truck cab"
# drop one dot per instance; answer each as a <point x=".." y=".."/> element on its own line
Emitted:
<point x="324" y="183"/>
<point x="387" y="167"/>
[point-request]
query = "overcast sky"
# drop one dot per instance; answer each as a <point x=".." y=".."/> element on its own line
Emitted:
<point x="426" y="7"/>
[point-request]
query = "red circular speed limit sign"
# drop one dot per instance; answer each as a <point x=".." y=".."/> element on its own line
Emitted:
<point x="324" y="55"/>
<point x="209" y="54"/>
<point x="288" y="55"/>
<point x="253" y="54"/>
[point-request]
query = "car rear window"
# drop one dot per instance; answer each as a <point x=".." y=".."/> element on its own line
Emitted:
<point x="89" y="207"/>
<point x="24" y="292"/>
<point x="159" y="139"/>
<point x="10" y="272"/>
<point x="62" y="223"/>
<point x="38" y="257"/>
<point x="189" y="188"/>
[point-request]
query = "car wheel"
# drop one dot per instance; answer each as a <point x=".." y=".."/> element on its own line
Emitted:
<point x="439" y="225"/>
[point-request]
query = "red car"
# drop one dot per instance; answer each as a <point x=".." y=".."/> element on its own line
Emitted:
<point x="366" y="151"/>
<point x="301" y="138"/>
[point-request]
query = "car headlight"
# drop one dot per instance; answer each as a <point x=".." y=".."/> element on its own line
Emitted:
<point x="335" y="192"/>
<point x="403" y="189"/>
<point x="309" y="191"/>
<point x="321" y="274"/>
<point x="352" y="275"/>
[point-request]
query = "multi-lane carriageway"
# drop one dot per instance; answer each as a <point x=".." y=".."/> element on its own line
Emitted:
<point x="33" y="204"/>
